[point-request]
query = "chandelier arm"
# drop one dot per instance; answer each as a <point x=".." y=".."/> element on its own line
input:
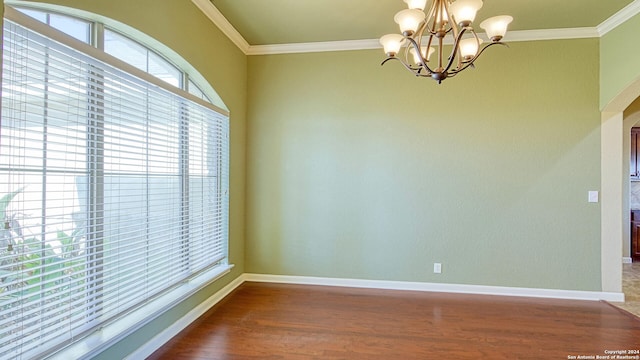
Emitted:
<point x="407" y="53"/>
<point x="487" y="46"/>
<point x="470" y="63"/>
<point x="431" y="15"/>
<point x="436" y="12"/>
<point x="429" y="43"/>
<point x="450" y="19"/>
<point x="417" y="44"/>
<point x="440" y="52"/>
<point x="456" y="48"/>
<point x="423" y="61"/>
<point x="415" y="72"/>
<point x="419" y="73"/>
<point x="418" y="34"/>
<point x="456" y="71"/>
<point x="433" y="32"/>
<point x="387" y="59"/>
<point x="439" y="8"/>
<point x="461" y="59"/>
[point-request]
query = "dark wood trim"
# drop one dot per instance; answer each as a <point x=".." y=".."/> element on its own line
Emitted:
<point x="635" y="235"/>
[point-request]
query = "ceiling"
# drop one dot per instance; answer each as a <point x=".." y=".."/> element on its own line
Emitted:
<point x="268" y="22"/>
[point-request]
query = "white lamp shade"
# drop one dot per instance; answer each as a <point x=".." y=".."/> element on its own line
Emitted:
<point x="409" y="20"/>
<point x="392" y="43"/>
<point x="496" y="27"/>
<point x="416" y="4"/>
<point x="426" y="55"/>
<point x="465" y="10"/>
<point x="469" y="47"/>
<point x="431" y="51"/>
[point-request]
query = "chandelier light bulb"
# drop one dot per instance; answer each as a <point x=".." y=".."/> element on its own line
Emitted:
<point x="464" y="11"/>
<point x="409" y="21"/>
<point x="496" y="27"/>
<point x="392" y="43"/>
<point x="416" y="4"/>
<point x="426" y="55"/>
<point x="469" y="48"/>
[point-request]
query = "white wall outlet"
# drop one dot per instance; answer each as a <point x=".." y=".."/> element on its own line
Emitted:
<point x="593" y="197"/>
<point x="437" y="268"/>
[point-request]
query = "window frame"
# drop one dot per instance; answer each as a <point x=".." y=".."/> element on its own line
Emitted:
<point x="118" y="329"/>
<point x="97" y="36"/>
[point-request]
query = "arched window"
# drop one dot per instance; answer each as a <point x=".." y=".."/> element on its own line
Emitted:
<point x="141" y="57"/>
<point x="115" y="43"/>
<point x="113" y="184"/>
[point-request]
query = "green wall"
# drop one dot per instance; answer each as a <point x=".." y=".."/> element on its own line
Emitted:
<point x="184" y="28"/>
<point x="361" y="171"/>
<point x="619" y="60"/>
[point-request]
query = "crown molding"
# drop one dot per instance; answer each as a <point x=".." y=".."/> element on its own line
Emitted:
<point x="619" y="18"/>
<point x="551" y="34"/>
<point x="368" y="44"/>
<point x="512" y="36"/>
<point x="222" y="23"/>
<point x="325" y="46"/>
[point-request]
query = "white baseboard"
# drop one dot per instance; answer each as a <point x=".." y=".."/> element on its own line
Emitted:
<point x="436" y="287"/>
<point x="627" y="260"/>
<point x="154" y="344"/>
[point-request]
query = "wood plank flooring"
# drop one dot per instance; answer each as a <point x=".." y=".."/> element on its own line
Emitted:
<point x="277" y="321"/>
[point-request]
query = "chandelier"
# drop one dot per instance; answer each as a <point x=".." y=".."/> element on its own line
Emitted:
<point x="424" y="34"/>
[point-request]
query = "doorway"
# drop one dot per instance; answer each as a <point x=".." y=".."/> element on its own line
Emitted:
<point x="617" y="119"/>
<point x="631" y="266"/>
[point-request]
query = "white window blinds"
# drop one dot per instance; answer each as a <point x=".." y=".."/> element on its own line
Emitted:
<point x="113" y="190"/>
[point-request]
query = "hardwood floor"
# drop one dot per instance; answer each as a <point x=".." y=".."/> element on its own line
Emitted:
<point x="277" y="321"/>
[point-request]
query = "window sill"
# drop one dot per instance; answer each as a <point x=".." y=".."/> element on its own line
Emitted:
<point x="110" y="334"/>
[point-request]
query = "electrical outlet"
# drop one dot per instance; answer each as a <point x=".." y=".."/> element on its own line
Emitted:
<point x="437" y="268"/>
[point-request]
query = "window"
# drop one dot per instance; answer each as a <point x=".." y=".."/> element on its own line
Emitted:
<point x="120" y="46"/>
<point x="195" y="90"/>
<point x="113" y="190"/>
<point x="141" y="57"/>
<point x="74" y="27"/>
